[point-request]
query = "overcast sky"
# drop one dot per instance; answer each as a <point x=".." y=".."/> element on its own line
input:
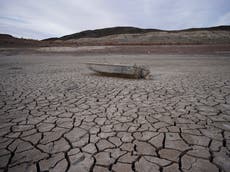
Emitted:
<point x="39" y="19"/>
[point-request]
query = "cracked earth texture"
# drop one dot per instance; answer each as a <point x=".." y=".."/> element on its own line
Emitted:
<point x="56" y="115"/>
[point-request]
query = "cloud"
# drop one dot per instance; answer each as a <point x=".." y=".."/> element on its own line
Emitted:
<point x="42" y="19"/>
<point x="225" y="19"/>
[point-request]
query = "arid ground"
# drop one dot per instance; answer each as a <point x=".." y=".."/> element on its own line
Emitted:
<point x="56" y="115"/>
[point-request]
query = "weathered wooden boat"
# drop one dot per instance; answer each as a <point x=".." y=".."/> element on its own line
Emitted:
<point x="133" y="71"/>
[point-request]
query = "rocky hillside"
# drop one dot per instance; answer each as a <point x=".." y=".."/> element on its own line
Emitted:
<point x="104" y="32"/>
<point x="137" y="36"/>
<point x="128" y="36"/>
<point x="10" y="41"/>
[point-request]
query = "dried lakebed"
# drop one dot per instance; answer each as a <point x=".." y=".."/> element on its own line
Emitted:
<point x="56" y="115"/>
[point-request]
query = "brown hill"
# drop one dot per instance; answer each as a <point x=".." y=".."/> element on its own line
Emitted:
<point x="10" y="41"/>
<point x="128" y="36"/>
<point x="137" y="36"/>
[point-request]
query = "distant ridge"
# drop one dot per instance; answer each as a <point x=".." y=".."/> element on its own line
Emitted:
<point x="226" y="28"/>
<point x="128" y="36"/>
<point x="7" y="40"/>
<point x="126" y="30"/>
<point x="6" y="36"/>
<point x="104" y="32"/>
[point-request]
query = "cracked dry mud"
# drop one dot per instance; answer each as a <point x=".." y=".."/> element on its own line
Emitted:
<point x="56" y="115"/>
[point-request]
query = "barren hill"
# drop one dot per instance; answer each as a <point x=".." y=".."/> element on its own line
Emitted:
<point x="7" y="40"/>
<point x="137" y="36"/>
<point x="106" y="32"/>
<point x="128" y="36"/>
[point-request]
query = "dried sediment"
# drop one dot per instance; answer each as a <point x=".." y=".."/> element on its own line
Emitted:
<point x="54" y="115"/>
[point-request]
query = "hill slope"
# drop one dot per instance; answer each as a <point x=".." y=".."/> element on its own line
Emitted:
<point x="106" y="32"/>
<point x="7" y="40"/>
<point x="137" y="36"/>
<point x="128" y="36"/>
<point x="129" y="30"/>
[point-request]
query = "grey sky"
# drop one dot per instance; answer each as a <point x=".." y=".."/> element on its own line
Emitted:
<point x="39" y="19"/>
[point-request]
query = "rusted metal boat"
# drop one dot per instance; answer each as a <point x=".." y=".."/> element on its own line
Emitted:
<point x="133" y="71"/>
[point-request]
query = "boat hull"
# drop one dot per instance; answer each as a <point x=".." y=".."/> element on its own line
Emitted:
<point x="117" y="69"/>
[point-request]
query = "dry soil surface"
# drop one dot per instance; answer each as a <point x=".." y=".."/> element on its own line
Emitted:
<point x="56" y="115"/>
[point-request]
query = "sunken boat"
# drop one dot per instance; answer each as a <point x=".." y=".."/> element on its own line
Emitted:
<point x="132" y="71"/>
